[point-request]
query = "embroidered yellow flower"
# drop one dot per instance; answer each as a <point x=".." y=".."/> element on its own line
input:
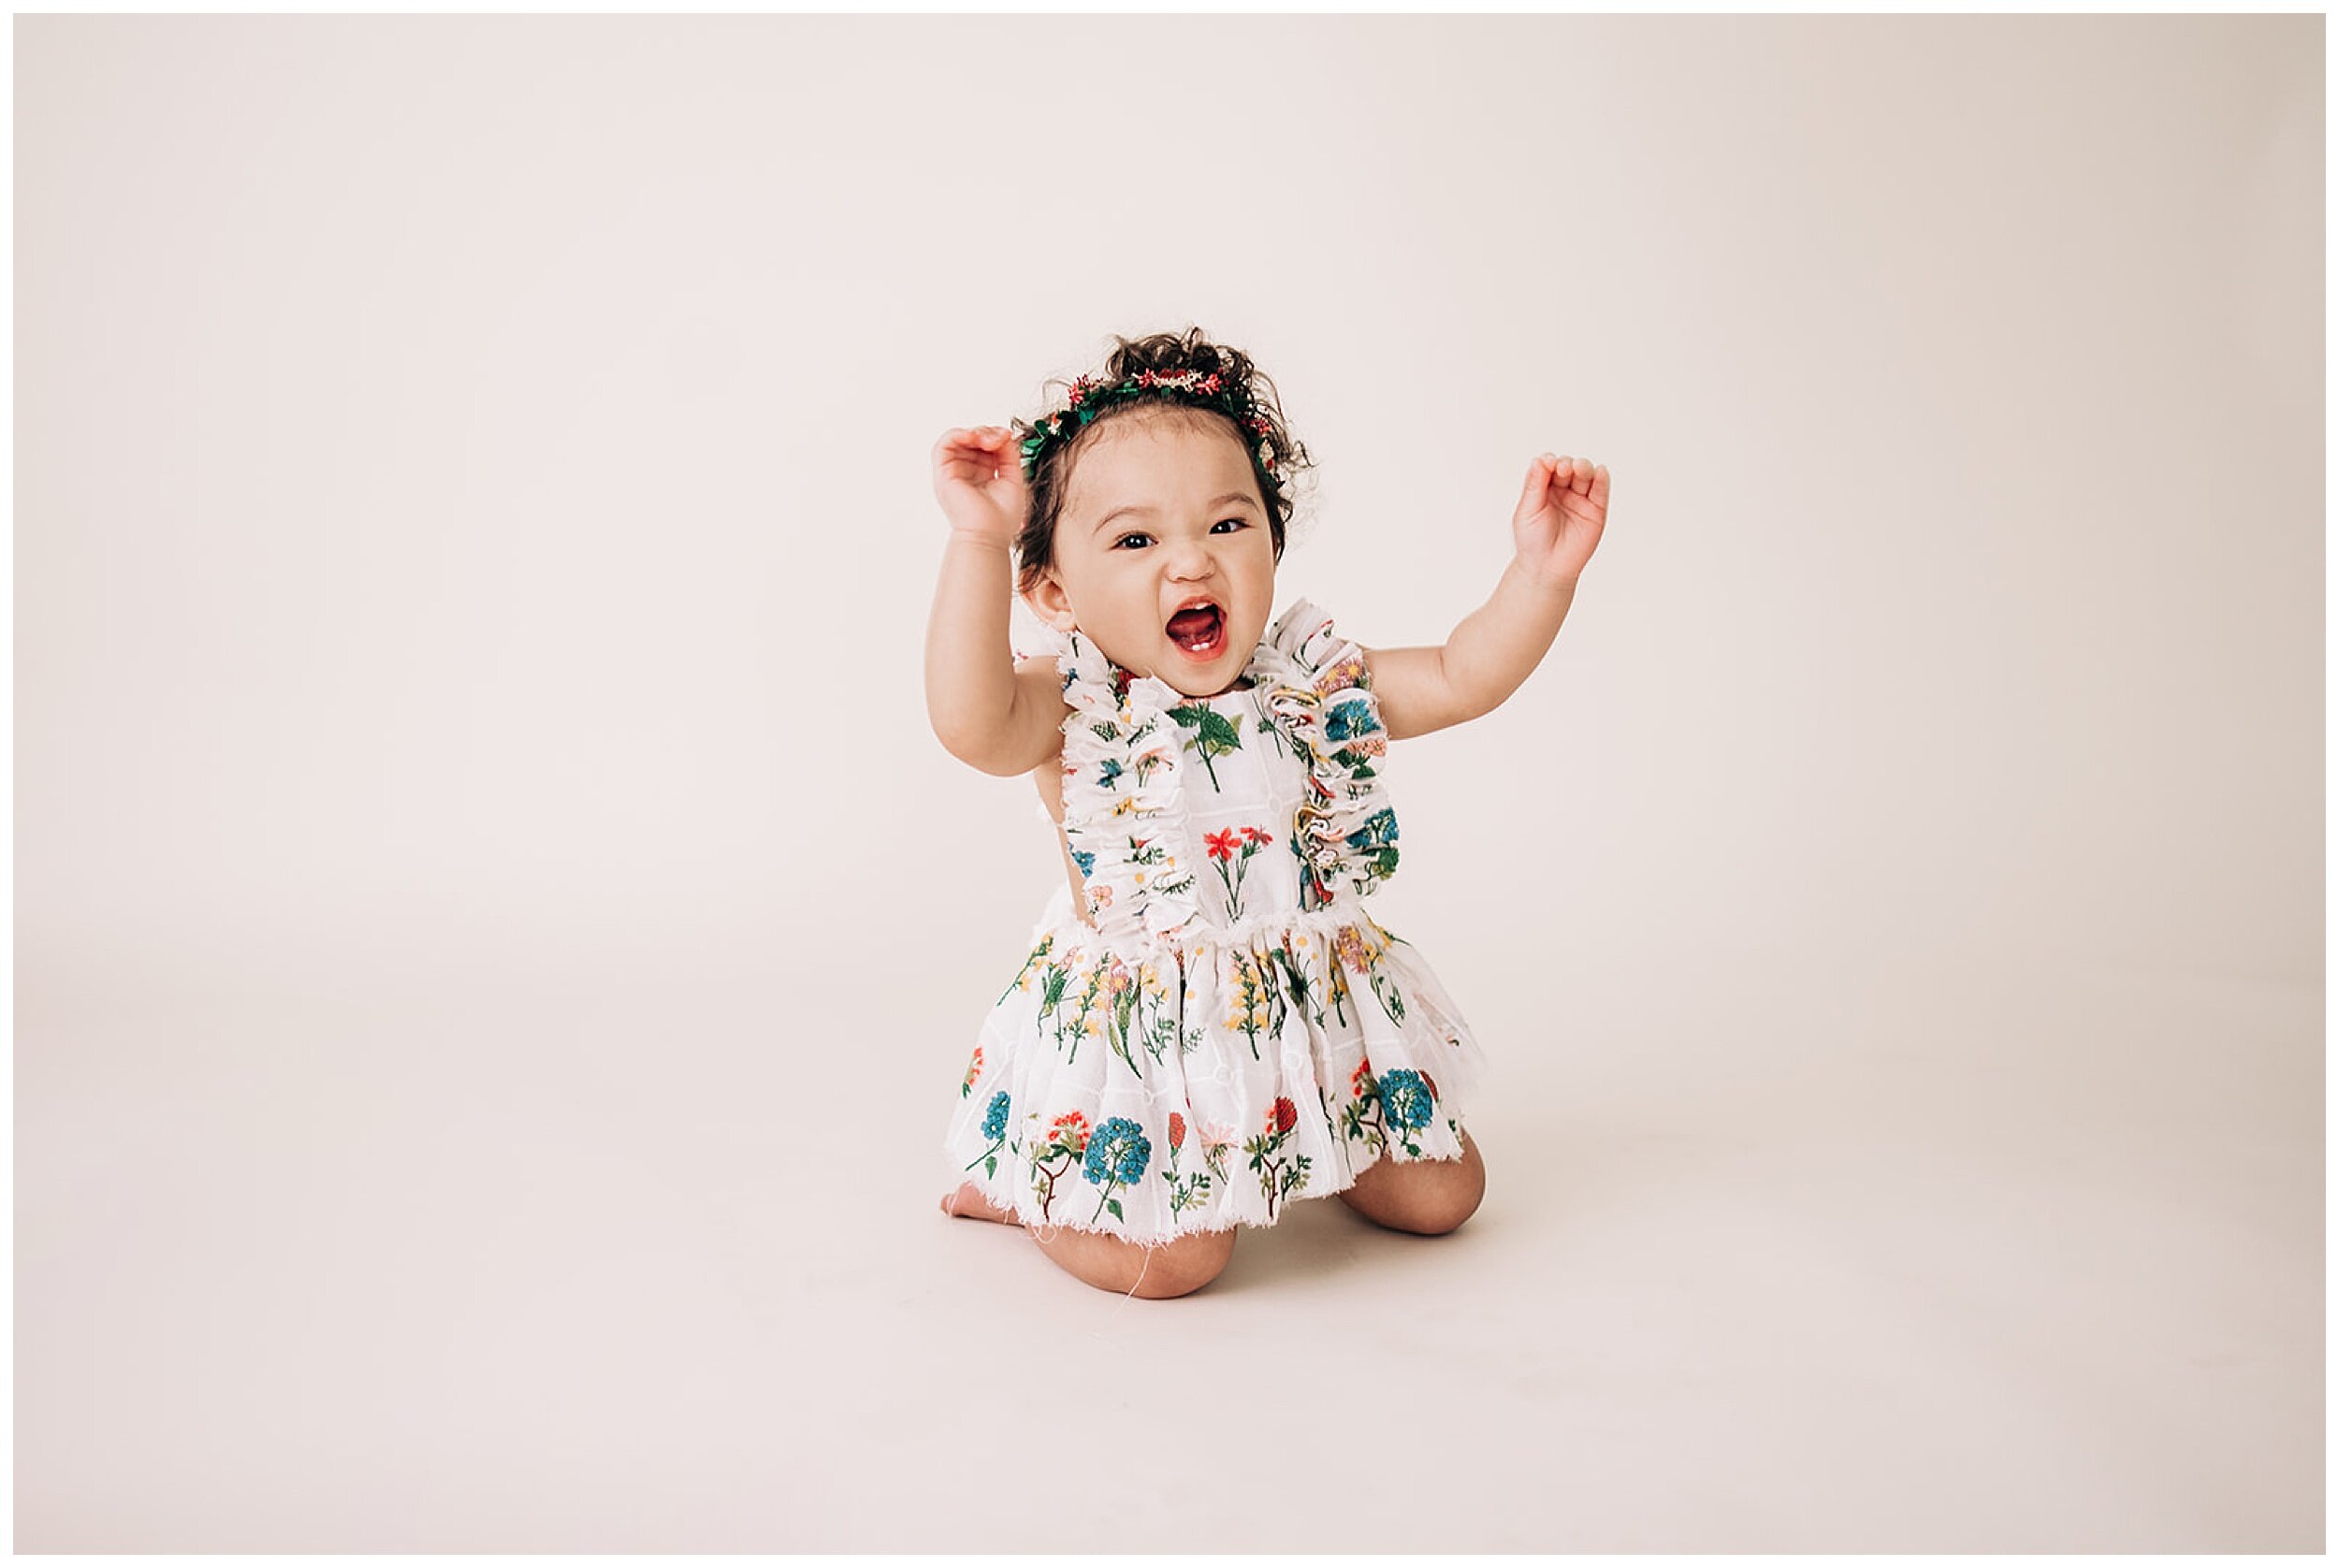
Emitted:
<point x="1248" y="997"/>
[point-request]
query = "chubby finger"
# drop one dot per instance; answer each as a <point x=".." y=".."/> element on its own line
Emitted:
<point x="982" y="446"/>
<point x="1538" y="481"/>
<point x="1000" y="445"/>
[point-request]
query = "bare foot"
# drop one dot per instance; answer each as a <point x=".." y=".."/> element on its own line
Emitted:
<point x="967" y="1203"/>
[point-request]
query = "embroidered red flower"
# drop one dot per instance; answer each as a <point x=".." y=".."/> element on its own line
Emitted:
<point x="1222" y="845"/>
<point x="974" y="1069"/>
<point x="1284" y="1117"/>
<point x="1177" y="1130"/>
<point x="1361" y="1079"/>
<point x="1258" y="836"/>
<point x="1071" y="1130"/>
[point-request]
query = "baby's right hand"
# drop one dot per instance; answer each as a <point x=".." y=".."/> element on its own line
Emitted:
<point x="978" y="479"/>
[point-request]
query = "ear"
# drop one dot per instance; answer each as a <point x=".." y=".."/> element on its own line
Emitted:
<point x="1049" y="602"/>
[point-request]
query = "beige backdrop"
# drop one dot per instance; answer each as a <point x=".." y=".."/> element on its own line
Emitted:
<point x="497" y="941"/>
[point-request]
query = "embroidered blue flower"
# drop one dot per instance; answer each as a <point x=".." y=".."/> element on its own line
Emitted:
<point x="1407" y="1098"/>
<point x="1347" y="721"/>
<point x="1108" y="770"/>
<point x="1117" y="1151"/>
<point x="1086" y="860"/>
<point x="1379" y="829"/>
<point x="994" y="1119"/>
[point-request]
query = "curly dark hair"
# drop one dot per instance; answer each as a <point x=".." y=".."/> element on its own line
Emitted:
<point x="1276" y="459"/>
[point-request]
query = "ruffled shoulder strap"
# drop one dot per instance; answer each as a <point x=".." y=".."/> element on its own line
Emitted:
<point x="1304" y="634"/>
<point x="1122" y="817"/>
<point x="1321" y="693"/>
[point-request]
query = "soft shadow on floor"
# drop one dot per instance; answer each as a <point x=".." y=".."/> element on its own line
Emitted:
<point x="1314" y="1239"/>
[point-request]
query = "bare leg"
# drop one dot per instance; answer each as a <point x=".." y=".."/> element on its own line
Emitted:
<point x="1427" y="1197"/>
<point x="1125" y="1268"/>
<point x="1170" y="1268"/>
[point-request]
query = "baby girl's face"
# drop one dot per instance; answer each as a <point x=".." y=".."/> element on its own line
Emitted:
<point x="1160" y="515"/>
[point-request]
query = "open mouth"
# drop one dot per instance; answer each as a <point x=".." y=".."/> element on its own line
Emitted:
<point x="1199" y="629"/>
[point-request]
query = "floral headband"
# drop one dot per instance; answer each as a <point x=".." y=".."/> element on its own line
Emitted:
<point x="1091" y="395"/>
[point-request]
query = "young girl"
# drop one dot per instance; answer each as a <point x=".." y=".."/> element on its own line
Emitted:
<point x="1210" y="1026"/>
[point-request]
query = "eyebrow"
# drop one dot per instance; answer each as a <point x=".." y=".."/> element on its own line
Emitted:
<point x="1137" y="510"/>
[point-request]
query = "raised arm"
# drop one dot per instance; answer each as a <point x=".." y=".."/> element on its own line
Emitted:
<point x="1498" y="645"/>
<point x="985" y="711"/>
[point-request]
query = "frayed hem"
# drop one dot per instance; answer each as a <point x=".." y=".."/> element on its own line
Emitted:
<point x="1048" y="1229"/>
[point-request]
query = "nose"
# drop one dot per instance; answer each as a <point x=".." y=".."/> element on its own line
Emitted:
<point x="1190" y="561"/>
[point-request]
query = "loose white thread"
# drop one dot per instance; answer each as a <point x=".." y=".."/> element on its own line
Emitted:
<point x="1147" y="1256"/>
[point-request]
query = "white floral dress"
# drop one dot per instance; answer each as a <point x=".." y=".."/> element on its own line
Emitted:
<point x="1234" y="1031"/>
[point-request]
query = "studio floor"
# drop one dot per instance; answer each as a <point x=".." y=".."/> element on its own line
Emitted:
<point x="1926" y="1261"/>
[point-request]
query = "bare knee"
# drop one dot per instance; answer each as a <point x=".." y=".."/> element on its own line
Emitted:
<point x="1424" y="1212"/>
<point x="1452" y="1204"/>
<point x="1182" y="1268"/>
<point x="1176" y="1268"/>
<point x="1427" y="1197"/>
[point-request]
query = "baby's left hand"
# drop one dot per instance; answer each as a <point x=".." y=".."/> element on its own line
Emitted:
<point x="1558" y="523"/>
